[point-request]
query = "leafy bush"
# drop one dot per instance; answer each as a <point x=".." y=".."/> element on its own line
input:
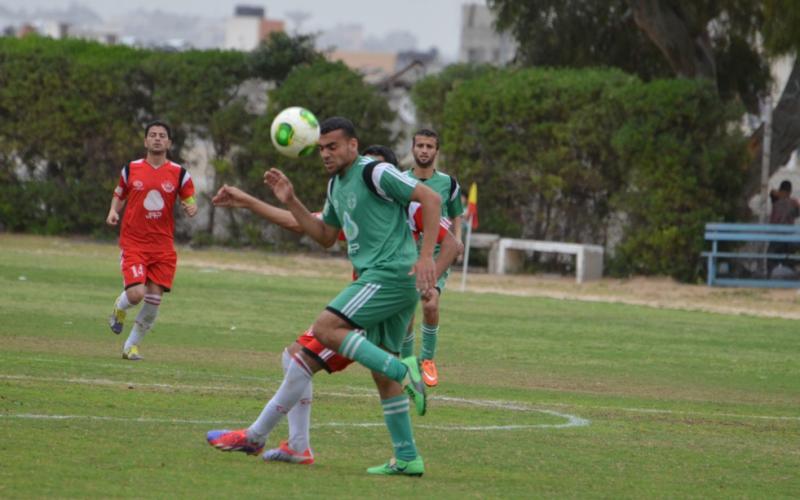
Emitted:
<point x="563" y="154"/>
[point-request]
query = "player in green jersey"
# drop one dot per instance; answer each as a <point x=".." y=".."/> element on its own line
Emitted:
<point x="425" y="148"/>
<point x="366" y="322"/>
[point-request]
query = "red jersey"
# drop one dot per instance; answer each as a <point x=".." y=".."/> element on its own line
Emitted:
<point x="151" y="193"/>
<point x="415" y="222"/>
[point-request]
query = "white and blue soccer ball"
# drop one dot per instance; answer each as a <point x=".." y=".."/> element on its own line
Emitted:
<point x="295" y="132"/>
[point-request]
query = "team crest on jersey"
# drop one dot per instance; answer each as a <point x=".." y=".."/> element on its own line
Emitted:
<point x="138" y="185"/>
<point x="167" y="186"/>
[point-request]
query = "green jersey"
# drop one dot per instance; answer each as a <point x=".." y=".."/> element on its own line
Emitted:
<point x="448" y="189"/>
<point x="368" y="202"/>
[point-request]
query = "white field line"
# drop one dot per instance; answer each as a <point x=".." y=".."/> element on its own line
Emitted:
<point x="131" y="367"/>
<point x="362" y="392"/>
<point x="571" y="420"/>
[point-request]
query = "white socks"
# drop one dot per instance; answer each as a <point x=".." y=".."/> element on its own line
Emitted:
<point x="144" y="320"/>
<point x="296" y="385"/>
<point x="122" y="301"/>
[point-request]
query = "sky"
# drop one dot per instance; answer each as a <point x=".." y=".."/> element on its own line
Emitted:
<point x="435" y="23"/>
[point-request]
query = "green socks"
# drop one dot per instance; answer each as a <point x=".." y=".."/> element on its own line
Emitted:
<point x="358" y="348"/>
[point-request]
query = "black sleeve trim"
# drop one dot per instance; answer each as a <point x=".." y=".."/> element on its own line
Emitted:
<point x="180" y="178"/>
<point x="367" y="175"/>
<point x="453" y="188"/>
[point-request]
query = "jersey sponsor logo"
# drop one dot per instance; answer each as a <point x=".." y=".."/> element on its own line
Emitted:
<point x="153" y="201"/>
<point x="351" y="233"/>
<point x="167" y="186"/>
<point x="154" y="204"/>
<point x="138" y="185"/>
<point x="352" y="201"/>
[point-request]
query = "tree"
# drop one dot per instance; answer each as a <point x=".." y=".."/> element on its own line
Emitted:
<point x="276" y="56"/>
<point x="560" y="154"/>
<point x="66" y="131"/>
<point x="430" y="94"/>
<point x="717" y="40"/>
<point x="578" y="34"/>
<point x="327" y="89"/>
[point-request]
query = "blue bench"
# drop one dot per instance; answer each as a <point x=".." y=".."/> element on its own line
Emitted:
<point x="718" y="232"/>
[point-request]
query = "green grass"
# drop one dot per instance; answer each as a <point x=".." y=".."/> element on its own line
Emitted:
<point x="679" y="404"/>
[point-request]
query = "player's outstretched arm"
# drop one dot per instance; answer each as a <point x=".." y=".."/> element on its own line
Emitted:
<point x="233" y="197"/>
<point x="320" y="232"/>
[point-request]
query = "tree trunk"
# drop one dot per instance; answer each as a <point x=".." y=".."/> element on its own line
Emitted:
<point x="665" y="23"/>
<point x="785" y="132"/>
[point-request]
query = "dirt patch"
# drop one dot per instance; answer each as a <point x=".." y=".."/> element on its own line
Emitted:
<point x="661" y="293"/>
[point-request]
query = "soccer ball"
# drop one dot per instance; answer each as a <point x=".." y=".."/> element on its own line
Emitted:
<point x="295" y="132"/>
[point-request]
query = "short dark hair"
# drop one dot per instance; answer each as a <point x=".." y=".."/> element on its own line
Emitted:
<point x="427" y="133"/>
<point x="786" y="187"/>
<point x="380" y="150"/>
<point x="338" y="123"/>
<point x="158" y="123"/>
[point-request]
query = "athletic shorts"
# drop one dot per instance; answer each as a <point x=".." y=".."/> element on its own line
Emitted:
<point x="140" y="267"/>
<point x="328" y="359"/>
<point x="380" y="303"/>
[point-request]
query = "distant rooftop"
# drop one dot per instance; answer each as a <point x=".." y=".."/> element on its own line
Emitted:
<point x="249" y="11"/>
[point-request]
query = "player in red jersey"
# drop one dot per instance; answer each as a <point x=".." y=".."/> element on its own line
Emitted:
<point x="306" y="353"/>
<point x="148" y="189"/>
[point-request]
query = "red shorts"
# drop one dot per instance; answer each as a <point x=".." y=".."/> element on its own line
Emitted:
<point x="140" y="267"/>
<point x="329" y="359"/>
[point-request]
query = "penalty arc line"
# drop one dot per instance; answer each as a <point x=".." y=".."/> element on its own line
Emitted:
<point x="364" y="393"/>
<point x="571" y="420"/>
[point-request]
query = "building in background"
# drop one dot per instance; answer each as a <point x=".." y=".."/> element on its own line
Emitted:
<point x="248" y="26"/>
<point x="480" y="42"/>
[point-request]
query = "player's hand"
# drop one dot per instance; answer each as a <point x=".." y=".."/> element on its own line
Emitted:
<point x="189" y="209"/>
<point x="113" y="218"/>
<point x="229" y="196"/>
<point x="280" y="185"/>
<point x="425" y="270"/>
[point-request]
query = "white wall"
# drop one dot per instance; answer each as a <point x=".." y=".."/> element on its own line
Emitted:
<point x="242" y="33"/>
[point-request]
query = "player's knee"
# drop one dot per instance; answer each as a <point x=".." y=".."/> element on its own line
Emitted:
<point x="135" y="294"/>
<point x="430" y="307"/>
<point x="324" y="332"/>
<point x="330" y="330"/>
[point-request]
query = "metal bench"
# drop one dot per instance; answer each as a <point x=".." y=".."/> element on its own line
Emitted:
<point x="718" y="232"/>
<point x="508" y="254"/>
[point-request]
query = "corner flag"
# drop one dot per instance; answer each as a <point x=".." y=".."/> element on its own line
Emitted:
<point x="472" y="205"/>
<point x="472" y="213"/>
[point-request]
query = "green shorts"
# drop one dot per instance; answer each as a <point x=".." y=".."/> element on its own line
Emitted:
<point x="379" y="303"/>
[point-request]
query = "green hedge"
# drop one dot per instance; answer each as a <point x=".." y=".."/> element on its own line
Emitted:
<point x="595" y="156"/>
<point x="72" y="113"/>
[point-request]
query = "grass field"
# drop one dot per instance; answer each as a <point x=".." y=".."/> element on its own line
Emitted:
<point x="538" y="397"/>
